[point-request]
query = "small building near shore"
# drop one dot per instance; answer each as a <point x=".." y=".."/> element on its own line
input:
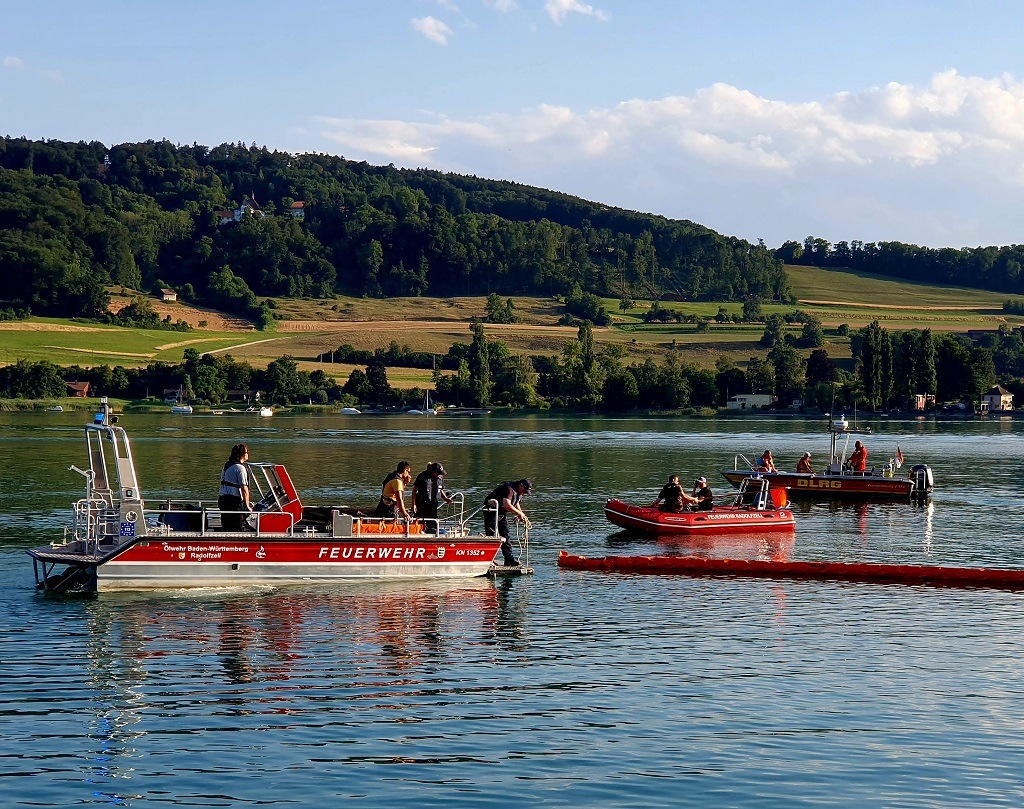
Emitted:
<point x="79" y="390"/>
<point x="997" y="400"/>
<point x="749" y="401"/>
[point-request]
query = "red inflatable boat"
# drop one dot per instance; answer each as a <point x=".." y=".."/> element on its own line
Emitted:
<point x="755" y="508"/>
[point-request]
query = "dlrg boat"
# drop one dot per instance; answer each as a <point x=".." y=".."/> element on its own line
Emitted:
<point x="117" y="542"/>
<point x="756" y="507"/>
<point x="838" y="479"/>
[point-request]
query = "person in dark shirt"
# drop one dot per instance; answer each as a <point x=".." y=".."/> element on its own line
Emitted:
<point x="672" y="497"/>
<point x="427" y="494"/>
<point x="509" y="496"/>
<point x="703" y="495"/>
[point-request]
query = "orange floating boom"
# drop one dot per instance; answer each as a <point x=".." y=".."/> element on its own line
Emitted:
<point x="846" y="571"/>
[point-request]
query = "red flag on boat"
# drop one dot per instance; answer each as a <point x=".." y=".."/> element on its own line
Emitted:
<point x="899" y="457"/>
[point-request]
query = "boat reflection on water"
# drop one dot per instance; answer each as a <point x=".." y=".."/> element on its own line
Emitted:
<point x="759" y="545"/>
<point x="290" y="654"/>
<point x="866" y="516"/>
<point x="769" y="546"/>
<point x="265" y="634"/>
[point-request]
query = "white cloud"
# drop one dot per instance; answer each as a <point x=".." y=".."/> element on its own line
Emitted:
<point x="450" y="5"/>
<point x="558" y="10"/>
<point x="935" y="164"/>
<point x="433" y="29"/>
<point x="503" y="6"/>
<point x="14" y="63"/>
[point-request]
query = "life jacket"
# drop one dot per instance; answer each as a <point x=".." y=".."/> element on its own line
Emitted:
<point x="673" y="497"/>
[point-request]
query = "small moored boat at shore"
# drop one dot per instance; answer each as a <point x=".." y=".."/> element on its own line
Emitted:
<point x="118" y="541"/>
<point x="756" y="507"/>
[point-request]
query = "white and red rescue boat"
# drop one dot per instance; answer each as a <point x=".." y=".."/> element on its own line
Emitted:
<point x="118" y="542"/>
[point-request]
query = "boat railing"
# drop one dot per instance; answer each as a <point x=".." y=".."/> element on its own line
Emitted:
<point x="746" y="463"/>
<point x="255" y="518"/>
<point x="95" y="522"/>
<point x="205" y="517"/>
<point x="454" y="521"/>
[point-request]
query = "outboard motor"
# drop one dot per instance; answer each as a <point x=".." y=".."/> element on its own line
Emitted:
<point x="921" y="477"/>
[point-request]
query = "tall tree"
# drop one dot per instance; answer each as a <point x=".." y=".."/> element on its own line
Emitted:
<point x="479" y="367"/>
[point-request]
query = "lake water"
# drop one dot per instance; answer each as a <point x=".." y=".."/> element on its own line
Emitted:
<point x="564" y="688"/>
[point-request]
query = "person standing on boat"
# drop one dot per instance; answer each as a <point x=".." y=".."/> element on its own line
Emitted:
<point x="509" y="497"/>
<point x="767" y="463"/>
<point x="427" y="492"/>
<point x="392" y="492"/>
<point x="672" y="498"/>
<point x="859" y="458"/>
<point x="234" y="489"/>
<point x="804" y="464"/>
<point x="703" y="495"/>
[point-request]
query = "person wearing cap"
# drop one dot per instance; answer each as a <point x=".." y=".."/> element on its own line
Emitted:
<point x="702" y="494"/>
<point x="804" y="464"/>
<point x="509" y="496"/>
<point x="427" y="492"/>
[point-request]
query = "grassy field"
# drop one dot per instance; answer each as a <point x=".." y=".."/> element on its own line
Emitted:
<point x="312" y="327"/>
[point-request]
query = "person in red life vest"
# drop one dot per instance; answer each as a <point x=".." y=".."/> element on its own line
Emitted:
<point x="859" y="458"/>
<point x="804" y="464"/>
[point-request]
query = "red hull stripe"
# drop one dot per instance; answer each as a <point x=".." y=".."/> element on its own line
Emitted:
<point x="824" y="484"/>
<point x="848" y="571"/>
<point x="239" y="551"/>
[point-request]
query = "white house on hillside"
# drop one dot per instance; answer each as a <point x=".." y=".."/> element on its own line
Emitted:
<point x="249" y="207"/>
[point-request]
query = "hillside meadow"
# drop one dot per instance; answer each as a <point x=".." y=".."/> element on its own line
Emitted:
<point x="311" y="327"/>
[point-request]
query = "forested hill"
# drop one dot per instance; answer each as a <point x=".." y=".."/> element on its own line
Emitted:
<point x="1000" y="269"/>
<point x="222" y="226"/>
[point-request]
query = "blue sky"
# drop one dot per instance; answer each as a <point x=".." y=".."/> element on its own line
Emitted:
<point x="775" y="120"/>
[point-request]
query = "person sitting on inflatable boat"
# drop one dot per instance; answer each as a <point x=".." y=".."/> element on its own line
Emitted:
<point x="672" y="497"/>
<point x="702" y="495"/>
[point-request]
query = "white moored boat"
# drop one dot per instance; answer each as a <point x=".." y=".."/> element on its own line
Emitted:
<point x="118" y="542"/>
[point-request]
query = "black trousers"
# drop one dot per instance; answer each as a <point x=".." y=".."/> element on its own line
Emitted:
<point x="231" y="502"/>
<point x="494" y="522"/>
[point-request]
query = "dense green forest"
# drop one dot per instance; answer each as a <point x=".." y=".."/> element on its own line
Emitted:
<point x="994" y="268"/>
<point x="75" y="217"/>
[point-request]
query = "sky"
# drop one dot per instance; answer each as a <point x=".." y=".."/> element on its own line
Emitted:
<point x="770" y="119"/>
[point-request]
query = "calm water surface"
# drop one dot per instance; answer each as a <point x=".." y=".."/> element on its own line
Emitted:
<point x="565" y="688"/>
